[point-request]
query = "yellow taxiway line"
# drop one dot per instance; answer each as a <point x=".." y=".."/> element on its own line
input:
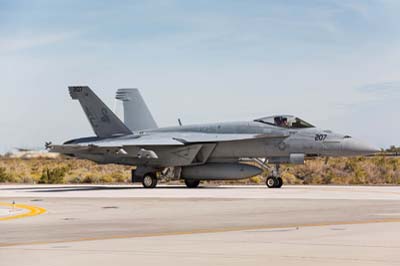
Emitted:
<point x="32" y="211"/>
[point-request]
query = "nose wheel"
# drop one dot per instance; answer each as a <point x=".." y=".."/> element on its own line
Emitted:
<point x="275" y="181"/>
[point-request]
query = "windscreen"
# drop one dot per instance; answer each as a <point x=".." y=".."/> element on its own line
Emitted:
<point x="285" y="121"/>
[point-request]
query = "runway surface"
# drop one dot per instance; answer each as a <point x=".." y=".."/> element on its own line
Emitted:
<point x="297" y="225"/>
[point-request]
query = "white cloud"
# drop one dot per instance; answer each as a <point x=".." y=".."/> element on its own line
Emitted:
<point x="385" y="87"/>
<point x="28" y="41"/>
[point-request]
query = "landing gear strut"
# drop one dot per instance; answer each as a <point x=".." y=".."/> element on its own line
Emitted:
<point x="275" y="180"/>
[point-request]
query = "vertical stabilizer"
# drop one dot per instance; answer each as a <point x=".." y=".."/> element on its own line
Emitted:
<point x="137" y="115"/>
<point x="104" y="122"/>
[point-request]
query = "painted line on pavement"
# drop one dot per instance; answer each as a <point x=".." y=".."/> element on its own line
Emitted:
<point x="31" y="211"/>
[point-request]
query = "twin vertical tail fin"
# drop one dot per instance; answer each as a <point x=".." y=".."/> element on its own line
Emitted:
<point x="104" y="122"/>
<point x="137" y="115"/>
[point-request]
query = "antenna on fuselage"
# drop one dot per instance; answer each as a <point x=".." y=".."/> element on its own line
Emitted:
<point x="180" y="122"/>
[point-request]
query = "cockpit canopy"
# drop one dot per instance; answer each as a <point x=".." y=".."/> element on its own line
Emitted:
<point x="285" y="121"/>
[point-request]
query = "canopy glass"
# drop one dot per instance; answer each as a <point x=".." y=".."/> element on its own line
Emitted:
<point x="286" y="121"/>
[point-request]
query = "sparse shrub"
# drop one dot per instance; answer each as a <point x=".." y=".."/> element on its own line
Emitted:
<point x="256" y="179"/>
<point x="4" y="176"/>
<point x="90" y="179"/>
<point x="290" y="179"/>
<point x="106" y="179"/>
<point x="118" y="177"/>
<point x="27" y="180"/>
<point x="369" y="170"/>
<point x="350" y="165"/>
<point x="75" y="180"/>
<point x="326" y="179"/>
<point x="53" y="176"/>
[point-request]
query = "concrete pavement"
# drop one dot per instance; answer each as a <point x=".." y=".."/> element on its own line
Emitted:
<point x="213" y="225"/>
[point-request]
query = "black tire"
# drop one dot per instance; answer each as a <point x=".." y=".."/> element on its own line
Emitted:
<point x="280" y="182"/>
<point x="150" y="181"/>
<point x="192" y="183"/>
<point x="271" y="182"/>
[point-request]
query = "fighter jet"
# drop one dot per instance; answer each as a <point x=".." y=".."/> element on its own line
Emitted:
<point x="194" y="153"/>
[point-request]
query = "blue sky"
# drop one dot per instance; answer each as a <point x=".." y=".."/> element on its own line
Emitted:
<point x="334" y="63"/>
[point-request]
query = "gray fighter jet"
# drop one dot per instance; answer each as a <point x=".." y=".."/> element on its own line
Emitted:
<point x="218" y="151"/>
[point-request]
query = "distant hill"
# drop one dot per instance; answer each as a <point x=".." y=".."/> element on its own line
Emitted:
<point x="30" y="154"/>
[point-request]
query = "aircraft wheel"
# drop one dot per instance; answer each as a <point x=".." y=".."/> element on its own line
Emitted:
<point x="272" y="182"/>
<point x="192" y="183"/>
<point x="150" y="181"/>
<point x="280" y="182"/>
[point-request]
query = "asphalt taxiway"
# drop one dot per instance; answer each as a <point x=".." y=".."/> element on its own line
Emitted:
<point x="103" y="225"/>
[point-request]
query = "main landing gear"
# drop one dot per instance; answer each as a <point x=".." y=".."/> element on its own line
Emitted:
<point x="150" y="181"/>
<point x="275" y="180"/>
<point x="192" y="183"/>
<point x="146" y="176"/>
<point x="149" y="178"/>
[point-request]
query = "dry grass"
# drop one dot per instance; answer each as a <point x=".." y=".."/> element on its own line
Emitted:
<point x="373" y="170"/>
<point x="61" y="170"/>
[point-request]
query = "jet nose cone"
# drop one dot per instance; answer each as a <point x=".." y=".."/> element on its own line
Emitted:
<point x="358" y="148"/>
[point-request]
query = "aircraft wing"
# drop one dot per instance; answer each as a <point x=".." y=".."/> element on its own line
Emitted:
<point x="172" y="148"/>
<point x="190" y="138"/>
<point x="158" y="140"/>
<point x="80" y="148"/>
<point x="140" y="141"/>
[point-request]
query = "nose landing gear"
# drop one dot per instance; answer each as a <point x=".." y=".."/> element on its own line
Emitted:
<point x="275" y="180"/>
